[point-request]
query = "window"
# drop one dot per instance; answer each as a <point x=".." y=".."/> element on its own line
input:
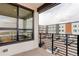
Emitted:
<point x="74" y="25"/>
<point x="62" y="30"/>
<point x="59" y="30"/>
<point x="75" y="30"/>
<point x="78" y="30"/>
<point x="8" y="14"/>
<point x="62" y="26"/>
<point x="16" y="24"/>
<point x="78" y="25"/>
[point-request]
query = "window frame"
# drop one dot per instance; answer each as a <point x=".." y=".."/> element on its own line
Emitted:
<point x="17" y="25"/>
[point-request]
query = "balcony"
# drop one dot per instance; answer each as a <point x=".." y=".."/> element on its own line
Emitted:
<point x="35" y="52"/>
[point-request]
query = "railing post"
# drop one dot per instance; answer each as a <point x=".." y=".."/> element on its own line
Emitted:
<point x="66" y="44"/>
<point x="40" y="41"/>
<point x="52" y="43"/>
<point x="77" y="45"/>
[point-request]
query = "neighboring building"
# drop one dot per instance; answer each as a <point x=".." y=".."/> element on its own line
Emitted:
<point x="42" y="29"/>
<point x="53" y="28"/>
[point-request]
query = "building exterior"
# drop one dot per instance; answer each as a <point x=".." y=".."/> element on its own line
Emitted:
<point x="42" y="29"/>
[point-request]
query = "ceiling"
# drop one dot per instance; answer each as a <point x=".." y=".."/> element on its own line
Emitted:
<point x="33" y="6"/>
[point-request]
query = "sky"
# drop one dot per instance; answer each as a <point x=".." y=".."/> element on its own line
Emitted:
<point x="63" y="13"/>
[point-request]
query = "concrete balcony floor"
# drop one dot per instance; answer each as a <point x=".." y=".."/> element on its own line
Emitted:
<point x="35" y="52"/>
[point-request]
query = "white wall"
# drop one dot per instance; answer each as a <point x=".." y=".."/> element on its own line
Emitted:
<point x="24" y="46"/>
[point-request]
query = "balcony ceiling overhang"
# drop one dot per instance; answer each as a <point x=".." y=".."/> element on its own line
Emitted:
<point x="46" y="6"/>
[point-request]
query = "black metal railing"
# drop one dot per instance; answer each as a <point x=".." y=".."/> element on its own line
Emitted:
<point x="60" y="44"/>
